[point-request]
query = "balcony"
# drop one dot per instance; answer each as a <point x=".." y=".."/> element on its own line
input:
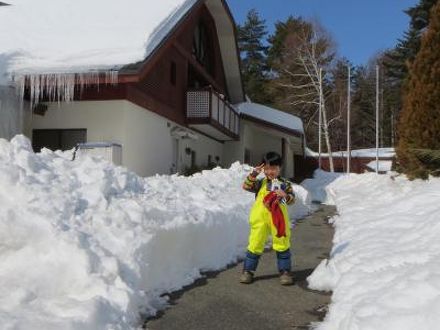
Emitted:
<point x="209" y="113"/>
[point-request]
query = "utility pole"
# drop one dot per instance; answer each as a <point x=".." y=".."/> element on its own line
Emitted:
<point x="377" y="119"/>
<point x="348" y="120"/>
<point x="320" y="118"/>
<point x="392" y="127"/>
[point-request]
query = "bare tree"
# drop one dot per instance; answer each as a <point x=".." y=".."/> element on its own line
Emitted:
<point x="303" y="74"/>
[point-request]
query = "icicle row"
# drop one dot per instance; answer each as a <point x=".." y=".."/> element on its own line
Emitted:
<point x="60" y="87"/>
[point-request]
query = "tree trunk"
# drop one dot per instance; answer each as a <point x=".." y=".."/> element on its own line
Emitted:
<point x="327" y="138"/>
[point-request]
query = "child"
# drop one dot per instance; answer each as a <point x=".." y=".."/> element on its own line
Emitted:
<point x="269" y="216"/>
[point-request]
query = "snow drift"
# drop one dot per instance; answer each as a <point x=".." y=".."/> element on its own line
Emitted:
<point x="383" y="269"/>
<point x="87" y="245"/>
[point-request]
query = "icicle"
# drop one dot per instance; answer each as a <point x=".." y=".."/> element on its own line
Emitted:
<point x="60" y="87"/>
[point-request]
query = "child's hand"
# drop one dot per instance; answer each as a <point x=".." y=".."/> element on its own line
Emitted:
<point x="259" y="168"/>
<point x="280" y="193"/>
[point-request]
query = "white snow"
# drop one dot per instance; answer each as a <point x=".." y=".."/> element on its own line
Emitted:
<point x="87" y="245"/>
<point x="270" y="115"/>
<point x="383" y="270"/>
<point x="316" y="187"/>
<point x="76" y="35"/>
<point x="384" y="165"/>
<point x="58" y="44"/>
<point x="369" y="153"/>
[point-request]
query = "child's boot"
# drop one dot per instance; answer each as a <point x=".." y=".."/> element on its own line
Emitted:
<point x="284" y="267"/>
<point x="286" y="278"/>
<point x="246" y="277"/>
<point x="250" y="266"/>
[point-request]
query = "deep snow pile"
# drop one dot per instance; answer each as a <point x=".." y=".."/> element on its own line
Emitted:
<point x="87" y="245"/>
<point x="383" y="270"/>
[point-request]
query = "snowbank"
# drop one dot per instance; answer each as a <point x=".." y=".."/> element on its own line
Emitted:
<point x="383" y="270"/>
<point x="316" y="187"/>
<point x="384" y="165"/>
<point x="87" y="245"/>
<point x="303" y="203"/>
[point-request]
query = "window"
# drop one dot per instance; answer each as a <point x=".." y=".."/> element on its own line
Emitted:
<point x="173" y="73"/>
<point x="57" y="139"/>
<point x="201" y="49"/>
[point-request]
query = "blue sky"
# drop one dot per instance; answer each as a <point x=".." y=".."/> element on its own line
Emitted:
<point x="360" y="28"/>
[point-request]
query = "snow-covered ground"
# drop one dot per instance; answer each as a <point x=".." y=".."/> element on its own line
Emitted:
<point x="383" y="270"/>
<point x="87" y="245"/>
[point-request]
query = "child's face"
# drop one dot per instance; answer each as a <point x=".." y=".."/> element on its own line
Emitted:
<point x="272" y="171"/>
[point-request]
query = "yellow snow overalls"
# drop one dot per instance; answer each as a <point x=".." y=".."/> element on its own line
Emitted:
<point x="261" y="224"/>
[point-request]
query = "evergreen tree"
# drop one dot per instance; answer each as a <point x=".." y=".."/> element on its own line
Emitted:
<point x="253" y="54"/>
<point x="398" y="59"/>
<point x="419" y="126"/>
<point x="363" y="106"/>
<point x="337" y="102"/>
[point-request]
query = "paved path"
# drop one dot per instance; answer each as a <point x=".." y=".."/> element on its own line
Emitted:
<point x="219" y="301"/>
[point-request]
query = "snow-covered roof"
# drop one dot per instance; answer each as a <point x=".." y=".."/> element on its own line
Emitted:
<point x="368" y="153"/>
<point x="78" y="35"/>
<point x="270" y="115"/>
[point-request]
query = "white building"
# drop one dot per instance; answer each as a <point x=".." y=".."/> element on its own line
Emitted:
<point x="162" y="81"/>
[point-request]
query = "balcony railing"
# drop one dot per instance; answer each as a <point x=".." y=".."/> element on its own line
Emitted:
<point x="209" y="107"/>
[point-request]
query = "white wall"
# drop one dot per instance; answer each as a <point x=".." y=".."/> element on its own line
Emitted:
<point x="234" y="150"/>
<point x="260" y="140"/>
<point x="102" y="119"/>
<point x="147" y="144"/>
<point x="203" y="147"/>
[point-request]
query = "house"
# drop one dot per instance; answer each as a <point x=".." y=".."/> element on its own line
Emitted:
<point x="162" y="81"/>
